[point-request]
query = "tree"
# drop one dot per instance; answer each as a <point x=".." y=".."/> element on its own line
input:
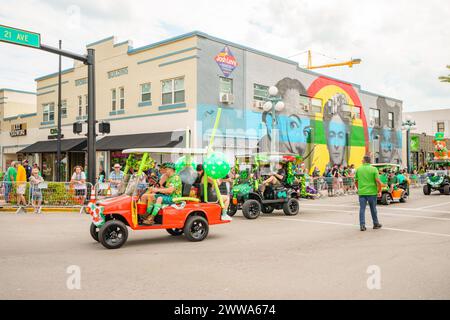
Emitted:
<point x="445" y="78"/>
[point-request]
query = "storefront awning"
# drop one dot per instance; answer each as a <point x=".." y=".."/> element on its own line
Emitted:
<point x="50" y="146"/>
<point x="144" y="140"/>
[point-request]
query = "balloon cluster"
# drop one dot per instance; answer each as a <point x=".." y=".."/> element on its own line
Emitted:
<point x="216" y="165"/>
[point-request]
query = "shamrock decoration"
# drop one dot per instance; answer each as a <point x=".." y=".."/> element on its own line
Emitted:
<point x="181" y="164"/>
<point x="98" y="218"/>
<point x="216" y="165"/>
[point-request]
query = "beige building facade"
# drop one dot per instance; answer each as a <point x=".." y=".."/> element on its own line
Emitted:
<point x="18" y="123"/>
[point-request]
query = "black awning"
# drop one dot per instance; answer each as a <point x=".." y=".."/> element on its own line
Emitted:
<point x="143" y="140"/>
<point x="50" y="146"/>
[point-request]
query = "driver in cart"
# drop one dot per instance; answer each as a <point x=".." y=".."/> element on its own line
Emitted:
<point x="157" y="196"/>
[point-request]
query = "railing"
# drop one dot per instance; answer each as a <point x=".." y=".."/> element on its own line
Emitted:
<point x="45" y="194"/>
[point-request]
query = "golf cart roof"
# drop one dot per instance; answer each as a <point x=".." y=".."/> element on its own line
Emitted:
<point x="192" y="151"/>
<point x="385" y="165"/>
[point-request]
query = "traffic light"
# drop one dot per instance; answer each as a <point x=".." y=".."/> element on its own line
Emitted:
<point x="104" y="127"/>
<point x="77" y="127"/>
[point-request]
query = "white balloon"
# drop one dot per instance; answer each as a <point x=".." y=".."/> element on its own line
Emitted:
<point x="267" y="106"/>
<point x="279" y="106"/>
<point x="273" y="91"/>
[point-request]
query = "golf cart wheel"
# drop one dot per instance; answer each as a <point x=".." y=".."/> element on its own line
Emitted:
<point x="113" y="234"/>
<point x="232" y="209"/>
<point x="447" y="189"/>
<point x="426" y="190"/>
<point x="196" y="228"/>
<point x="94" y="232"/>
<point x="251" y="209"/>
<point x="404" y="197"/>
<point x="291" y="207"/>
<point x="385" y="199"/>
<point x="175" y="232"/>
<point x="267" y="209"/>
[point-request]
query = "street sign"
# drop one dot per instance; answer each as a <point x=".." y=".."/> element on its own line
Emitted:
<point x="20" y="37"/>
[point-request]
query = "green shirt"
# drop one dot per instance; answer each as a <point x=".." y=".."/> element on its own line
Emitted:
<point x="11" y="172"/>
<point x="175" y="181"/>
<point x="366" y="176"/>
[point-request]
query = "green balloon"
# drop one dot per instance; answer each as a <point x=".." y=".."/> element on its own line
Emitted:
<point x="181" y="164"/>
<point x="216" y="165"/>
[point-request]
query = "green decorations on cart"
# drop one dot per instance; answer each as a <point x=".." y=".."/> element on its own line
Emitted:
<point x="216" y="165"/>
<point x="290" y="174"/>
<point x="242" y="190"/>
<point x="134" y="163"/>
<point x="182" y="163"/>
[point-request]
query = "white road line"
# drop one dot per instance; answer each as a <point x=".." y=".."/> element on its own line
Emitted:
<point x="434" y="205"/>
<point x="355" y="225"/>
<point x="389" y="214"/>
<point x="378" y="207"/>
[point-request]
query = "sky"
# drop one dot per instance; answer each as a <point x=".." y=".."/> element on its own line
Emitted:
<point x="404" y="44"/>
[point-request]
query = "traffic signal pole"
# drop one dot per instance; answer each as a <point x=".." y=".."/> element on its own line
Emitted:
<point x="32" y="40"/>
<point x="91" y="134"/>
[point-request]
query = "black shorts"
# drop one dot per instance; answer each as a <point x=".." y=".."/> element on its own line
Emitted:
<point x="80" y="192"/>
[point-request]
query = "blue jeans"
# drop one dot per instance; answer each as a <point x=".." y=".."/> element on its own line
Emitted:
<point x="372" y="200"/>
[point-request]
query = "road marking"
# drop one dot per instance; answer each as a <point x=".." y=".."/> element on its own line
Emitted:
<point x="389" y="214"/>
<point x="434" y="205"/>
<point x="355" y="225"/>
<point x="378" y="207"/>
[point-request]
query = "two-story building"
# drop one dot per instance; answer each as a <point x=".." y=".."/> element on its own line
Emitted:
<point x="18" y="123"/>
<point x="152" y="94"/>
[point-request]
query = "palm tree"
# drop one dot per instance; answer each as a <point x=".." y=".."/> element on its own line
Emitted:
<point x="445" y="78"/>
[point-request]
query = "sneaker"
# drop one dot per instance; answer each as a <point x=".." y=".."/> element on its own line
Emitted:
<point x="20" y="210"/>
<point x="225" y="217"/>
<point x="362" y="228"/>
<point x="377" y="226"/>
<point x="39" y="210"/>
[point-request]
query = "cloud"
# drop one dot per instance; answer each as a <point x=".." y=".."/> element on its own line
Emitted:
<point x="403" y="44"/>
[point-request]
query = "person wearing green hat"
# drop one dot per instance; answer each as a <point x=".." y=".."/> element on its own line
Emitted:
<point x="158" y="196"/>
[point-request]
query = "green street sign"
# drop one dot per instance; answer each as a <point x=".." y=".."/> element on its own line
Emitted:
<point x="21" y="37"/>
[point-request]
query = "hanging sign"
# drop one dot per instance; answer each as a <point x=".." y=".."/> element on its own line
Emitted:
<point x="226" y="61"/>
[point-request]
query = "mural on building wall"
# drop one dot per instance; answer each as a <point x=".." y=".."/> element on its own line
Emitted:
<point x="387" y="138"/>
<point x="336" y="133"/>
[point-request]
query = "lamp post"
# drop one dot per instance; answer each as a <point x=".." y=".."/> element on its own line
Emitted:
<point x="274" y="104"/>
<point x="408" y="125"/>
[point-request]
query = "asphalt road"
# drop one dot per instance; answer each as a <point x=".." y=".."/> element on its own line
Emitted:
<point x="319" y="253"/>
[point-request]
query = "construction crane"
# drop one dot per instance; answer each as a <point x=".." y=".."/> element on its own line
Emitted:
<point x="338" y="64"/>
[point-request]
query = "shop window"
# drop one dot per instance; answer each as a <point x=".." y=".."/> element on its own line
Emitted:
<point x="113" y="99"/>
<point x="356" y="112"/>
<point x="391" y="120"/>
<point x="374" y="115"/>
<point x="122" y="98"/>
<point x="226" y="85"/>
<point x="146" y="95"/>
<point x="440" y="127"/>
<point x="172" y="91"/>
<point x="64" y="109"/>
<point x="48" y="112"/>
<point x="260" y="92"/>
<point x="80" y="106"/>
<point x="86" y="103"/>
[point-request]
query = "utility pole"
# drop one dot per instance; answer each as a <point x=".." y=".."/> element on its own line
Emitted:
<point x="58" y="136"/>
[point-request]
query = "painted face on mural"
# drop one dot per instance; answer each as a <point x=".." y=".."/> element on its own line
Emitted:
<point x="336" y="139"/>
<point x="386" y="145"/>
<point x="293" y="126"/>
<point x="336" y="129"/>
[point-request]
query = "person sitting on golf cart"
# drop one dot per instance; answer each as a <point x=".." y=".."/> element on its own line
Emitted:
<point x="392" y="181"/>
<point x="157" y="196"/>
<point x="276" y="178"/>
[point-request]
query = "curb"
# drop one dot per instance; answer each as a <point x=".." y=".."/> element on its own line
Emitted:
<point x="47" y="210"/>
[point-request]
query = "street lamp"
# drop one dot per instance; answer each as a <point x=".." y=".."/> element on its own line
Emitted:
<point x="408" y="125"/>
<point x="274" y="104"/>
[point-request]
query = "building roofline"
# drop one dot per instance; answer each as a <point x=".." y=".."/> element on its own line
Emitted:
<point x="428" y="110"/>
<point x="54" y="74"/>
<point x="201" y="34"/>
<point x="99" y="41"/>
<point x="19" y="91"/>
